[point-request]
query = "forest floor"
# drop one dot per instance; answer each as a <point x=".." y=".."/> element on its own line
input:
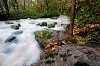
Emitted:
<point x="62" y="50"/>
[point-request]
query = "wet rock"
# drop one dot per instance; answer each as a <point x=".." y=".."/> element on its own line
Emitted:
<point x="7" y="51"/>
<point x="8" y="22"/>
<point x="17" y="33"/>
<point x="72" y="55"/>
<point x="42" y="24"/>
<point x="11" y="39"/>
<point x="53" y="17"/>
<point x="15" y="26"/>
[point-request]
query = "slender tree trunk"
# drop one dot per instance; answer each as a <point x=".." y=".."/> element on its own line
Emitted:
<point x="47" y="7"/>
<point x="72" y="17"/>
<point x="24" y="5"/>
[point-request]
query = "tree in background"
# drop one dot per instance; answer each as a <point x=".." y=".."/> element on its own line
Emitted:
<point x="72" y="16"/>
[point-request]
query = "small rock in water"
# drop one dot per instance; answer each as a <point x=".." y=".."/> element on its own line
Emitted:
<point x="11" y="39"/>
<point x="7" y="50"/>
<point x="28" y="18"/>
<point x="15" y="26"/>
<point x="53" y="17"/>
<point x="17" y="33"/>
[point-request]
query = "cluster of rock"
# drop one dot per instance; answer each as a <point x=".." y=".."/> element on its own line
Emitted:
<point x="71" y="55"/>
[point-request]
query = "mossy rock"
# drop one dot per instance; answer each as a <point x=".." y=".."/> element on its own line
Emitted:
<point x="15" y="26"/>
<point x="45" y="34"/>
<point x="55" y="23"/>
<point x="8" y="22"/>
<point x="81" y="63"/>
<point x="51" y="25"/>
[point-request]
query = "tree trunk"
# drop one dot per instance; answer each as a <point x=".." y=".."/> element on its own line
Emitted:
<point x="47" y="7"/>
<point x="72" y="17"/>
<point x="24" y="5"/>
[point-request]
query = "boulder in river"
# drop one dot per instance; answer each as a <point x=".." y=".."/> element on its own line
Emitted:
<point x="8" y="22"/>
<point x="11" y="39"/>
<point x="17" y="32"/>
<point x="15" y="26"/>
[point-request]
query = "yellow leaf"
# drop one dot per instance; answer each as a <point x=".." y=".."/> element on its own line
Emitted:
<point x="64" y="42"/>
<point x="40" y="32"/>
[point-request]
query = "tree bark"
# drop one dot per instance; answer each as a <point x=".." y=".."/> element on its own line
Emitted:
<point x="72" y="17"/>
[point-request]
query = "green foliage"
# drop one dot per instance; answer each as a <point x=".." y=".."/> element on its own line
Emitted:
<point x="85" y="20"/>
<point x="87" y="12"/>
<point x="95" y="36"/>
<point x="45" y="34"/>
<point x="87" y="38"/>
<point x="81" y="63"/>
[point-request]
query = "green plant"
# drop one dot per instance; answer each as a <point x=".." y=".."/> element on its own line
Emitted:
<point x="87" y="38"/>
<point x="45" y="34"/>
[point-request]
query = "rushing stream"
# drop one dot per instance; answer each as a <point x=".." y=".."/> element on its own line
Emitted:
<point x="24" y="49"/>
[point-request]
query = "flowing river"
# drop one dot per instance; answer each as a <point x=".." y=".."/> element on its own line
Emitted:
<point x="24" y="49"/>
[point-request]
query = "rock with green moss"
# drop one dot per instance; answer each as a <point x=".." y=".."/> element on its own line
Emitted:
<point x="15" y="26"/>
<point x="8" y="22"/>
<point x="42" y="24"/>
<point x="51" y="25"/>
<point x="44" y="34"/>
<point x="81" y="63"/>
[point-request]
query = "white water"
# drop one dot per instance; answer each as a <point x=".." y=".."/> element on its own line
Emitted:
<point x="25" y="50"/>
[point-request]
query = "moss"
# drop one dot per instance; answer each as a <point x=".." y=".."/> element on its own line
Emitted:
<point x="42" y="24"/>
<point x="51" y="25"/>
<point x="63" y="56"/>
<point x="15" y="26"/>
<point x="8" y="22"/>
<point x="55" y="23"/>
<point x="81" y="63"/>
<point x="51" y="55"/>
<point x="49" y="61"/>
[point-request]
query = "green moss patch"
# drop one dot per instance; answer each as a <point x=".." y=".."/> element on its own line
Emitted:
<point x="81" y="63"/>
<point x="8" y="22"/>
<point x="15" y="26"/>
